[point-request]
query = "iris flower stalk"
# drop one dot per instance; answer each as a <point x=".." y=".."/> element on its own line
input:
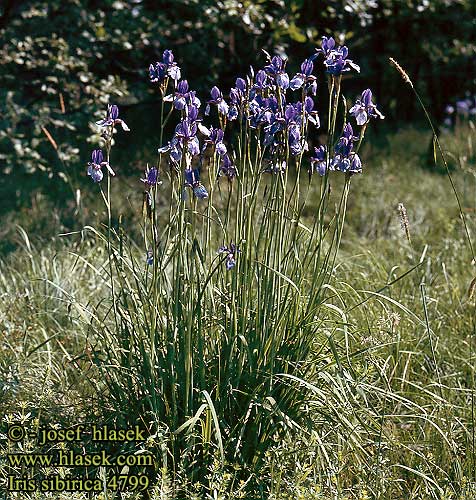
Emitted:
<point x="107" y="200"/>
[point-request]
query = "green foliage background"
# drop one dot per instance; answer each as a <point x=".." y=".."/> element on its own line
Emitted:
<point x="62" y="62"/>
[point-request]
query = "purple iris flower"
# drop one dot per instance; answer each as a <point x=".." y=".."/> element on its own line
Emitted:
<point x="238" y="92"/>
<point x="231" y="252"/>
<point x="340" y="162"/>
<point x="214" y="138"/>
<point x="183" y="97"/>
<point x="276" y="69"/>
<point x="151" y="177"/>
<point x="345" y="159"/>
<point x="227" y="168"/>
<point x="318" y="161"/>
<point x="344" y="146"/>
<point x="364" y="109"/>
<point x="237" y="96"/>
<point x="449" y="109"/>
<point x="258" y="108"/>
<point x="335" y="58"/>
<point x="172" y="69"/>
<point x="282" y="80"/>
<point x="240" y="84"/>
<point x="312" y="115"/>
<point x="96" y="164"/>
<point x="337" y="63"/>
<point x="232" y="113"/>
<point x="292" y="112"/>
<point x="217" y="99"/>
<point x="185" y="137"/>
<point x="180" y="96"/>
<point x="157" y="72"/>
<point x="294" y="138"/>
<point x="192" y="113"/>
<point x="463" y="106"/>
<point x="348" y="132"/>
<point x="355" y="164"/>
<point x="327" y="45"/>
<point x="304" y="76"/>
<point x="186" y="133"/>
<point x="112" y="118"/>
<point x="150" y="257"/>
<point x="192" y="180"/>
<point x="186" y="130"/>
<point x="260" y="80"/>
<point x="174" y="149"/>
<point x="168" y="57"/>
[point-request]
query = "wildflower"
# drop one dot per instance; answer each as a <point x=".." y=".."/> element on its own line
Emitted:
<point x="463" y="106"/>
<point x="240" y="84"/>
<point x="168" y="57"/>
<point x="150" y="257"/>
<point x="159" y="71"/>
<point x="304" y="77"/>
<point x="335" y="58"/>
<point x="214" y="138"/>
<point x="112" y="118"/>
<point x="318" y="161"/>
<point x="327" y="46"/>
<point x="294" y="138"/>
<point x="260" y="80"/>
<point x="172" y="69"/>
<point x="449" y="109"/>
<point x="237" y="96"/>
<point x="355" y="164"/>
<point x="186" y="133"/>
<point x="96" y="164"/>
<point x="312" y="115"/>
<point x="231" y="254"/>
<point x="192" y="179"/>
<point x="181" y="96"/>
<point x="345" y="159"/>
<point x="276" y="69"/>
<point x="217" y="99"/>
<point x="227" y="168"/>
<point x="364" y="109"/>
<point x="151" y="177"/>
<point x="345" y="143"/>
<point x="257" y="113"/>
<point x="174" y="149"/>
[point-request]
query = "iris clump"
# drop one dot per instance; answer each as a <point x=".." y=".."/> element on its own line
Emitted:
<point x="221" y="340"/>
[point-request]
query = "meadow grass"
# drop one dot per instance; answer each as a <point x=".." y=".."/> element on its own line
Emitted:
<point x="389" y="376"/>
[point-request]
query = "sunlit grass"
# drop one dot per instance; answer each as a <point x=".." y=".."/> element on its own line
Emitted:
<point x="392" y="375"/>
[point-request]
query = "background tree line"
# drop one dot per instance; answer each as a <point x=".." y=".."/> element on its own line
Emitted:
<point x="62" y="61"/>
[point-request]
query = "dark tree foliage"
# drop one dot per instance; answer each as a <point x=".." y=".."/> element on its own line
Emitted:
<point x="63" y="61"/>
